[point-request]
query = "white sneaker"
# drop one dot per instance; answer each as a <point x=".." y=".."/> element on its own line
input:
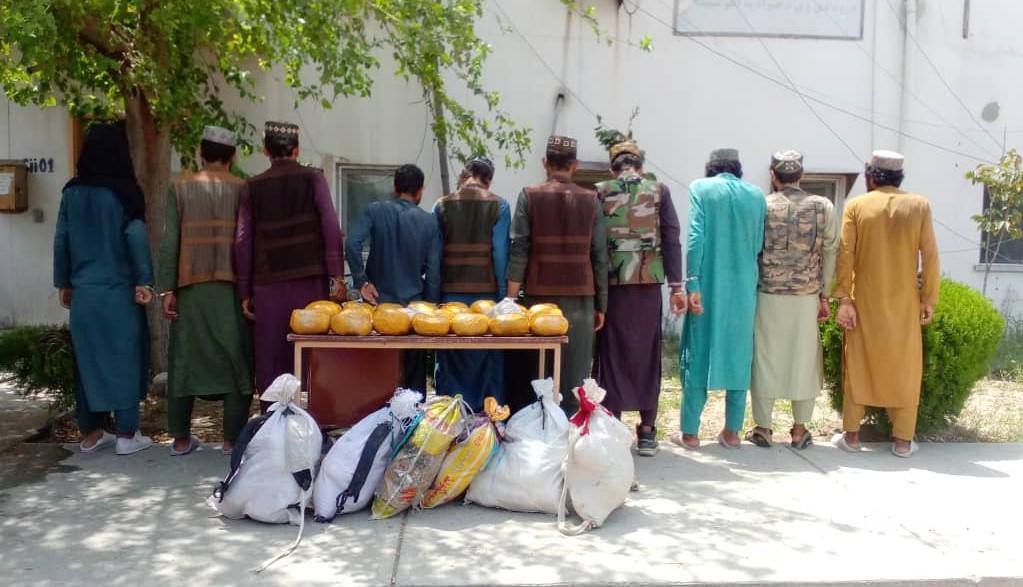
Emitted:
<point x="104" y="441"/>
<point x="130" y="446"/>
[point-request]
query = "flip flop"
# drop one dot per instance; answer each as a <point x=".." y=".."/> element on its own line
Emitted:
<point x="757" y="437"/>
<point x="839" y="441"/>
<point x="724" y="443"/>
<point x="104" y="441"/>
<point x="194" y="444"/>
<point x="677" y="439"/>
<point x="913" y="447"/>
<point x="804" y="442"/>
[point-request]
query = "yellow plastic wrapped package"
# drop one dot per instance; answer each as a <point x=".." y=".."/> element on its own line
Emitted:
<point x="327" y="306"/>
<point x="437" y="324"/>
<point x="456" y="307"/>
<point x="361" y="306"/>
<point x="509" y="325"/>
<point x="540" y="309"/>
<point x="466" y="459"/>
<point x="387" y="306"/>
<point x="549" y="325"/>
<point x="483" y="306"/>
<point x="469" y="324"/>
<point x="310" y="322"/>
<point x="353" y="322"/>
<point x="414" y="467"/>
<point x="425" y="307"/>
<point x="392" y="321"/>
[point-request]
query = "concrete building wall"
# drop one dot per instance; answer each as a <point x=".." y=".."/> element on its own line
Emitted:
<point x="694" y="94"/>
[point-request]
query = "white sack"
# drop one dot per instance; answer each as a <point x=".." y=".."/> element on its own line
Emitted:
<point x="339" y="466"/>
<point x="288" y="444"/>
<point x="598" y="467"/>
<point x="525" y="475"/>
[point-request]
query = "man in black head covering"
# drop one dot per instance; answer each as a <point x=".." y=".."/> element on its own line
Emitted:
<point x="102" y="266"/>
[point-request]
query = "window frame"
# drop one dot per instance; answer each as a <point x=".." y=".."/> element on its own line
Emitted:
<point x="343" y="167"/>
<point x="1013" y="263"/>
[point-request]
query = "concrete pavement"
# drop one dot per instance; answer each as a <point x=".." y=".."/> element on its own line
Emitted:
<point x="951" y="514"/>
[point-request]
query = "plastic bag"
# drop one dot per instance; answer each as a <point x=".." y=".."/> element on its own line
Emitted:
<point x="467" y="458"/>
<point x="598" y="469"/>
<point x="417" y="462"/>
<point x="273" y="464"/>
<point x="505" y="307"/>
<point x="353" y="468"/>
<point x="525" y="475"/>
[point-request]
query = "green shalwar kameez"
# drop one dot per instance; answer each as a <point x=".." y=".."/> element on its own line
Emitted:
<point x="210" y="344"/>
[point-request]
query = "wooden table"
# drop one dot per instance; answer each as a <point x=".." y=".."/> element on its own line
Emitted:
<point x="542" y="344"/>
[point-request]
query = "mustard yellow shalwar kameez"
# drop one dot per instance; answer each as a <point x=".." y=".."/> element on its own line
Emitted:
<point x="887" y="237"/>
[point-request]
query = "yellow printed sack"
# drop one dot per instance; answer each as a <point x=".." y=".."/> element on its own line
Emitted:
<point x="415" y="466"/>
<point x="468" y="458"/>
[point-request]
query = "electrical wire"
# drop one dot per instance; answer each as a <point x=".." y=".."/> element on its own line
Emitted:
<point x="819" y="101"/>
<point x="514" y="28"/>
<point x="905" y="27"/>
<point x="802" y="97"/>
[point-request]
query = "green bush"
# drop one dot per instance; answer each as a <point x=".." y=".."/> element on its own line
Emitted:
<point x="958" y="348"/>
<point x="39" y="359"/>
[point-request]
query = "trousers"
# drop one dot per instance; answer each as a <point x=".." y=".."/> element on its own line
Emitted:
<point x="903" y="419"/>
<point x="236" y="413"/>
<point x="125" y="421"/>
<point x="694" y="400"/>
<point x="763" y="408"/>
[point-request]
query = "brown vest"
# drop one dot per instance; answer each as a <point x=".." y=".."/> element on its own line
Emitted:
<point x="561" y="216"/>
<point x="208" y="211"/>
<point x="467" y="220"/>
<point x="286" y="224"/>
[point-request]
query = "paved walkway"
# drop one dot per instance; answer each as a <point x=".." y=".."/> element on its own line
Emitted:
<point x="21" y="415"/>
<point x="951" y="514"/>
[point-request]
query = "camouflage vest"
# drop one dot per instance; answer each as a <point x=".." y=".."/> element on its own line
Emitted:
<point x="791" y="263"/>
<point x="632" y="206"/>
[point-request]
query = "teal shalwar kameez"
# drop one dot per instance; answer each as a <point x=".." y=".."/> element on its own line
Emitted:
<point x="726" y="235"/>
<point x="102" y="255"/>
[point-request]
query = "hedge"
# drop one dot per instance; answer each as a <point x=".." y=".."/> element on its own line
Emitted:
<point x="39" y="359"/>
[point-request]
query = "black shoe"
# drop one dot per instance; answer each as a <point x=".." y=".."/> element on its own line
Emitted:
<point x="646" y="444"/>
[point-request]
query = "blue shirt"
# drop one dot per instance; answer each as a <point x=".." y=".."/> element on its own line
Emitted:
<point x="404" y="254"/>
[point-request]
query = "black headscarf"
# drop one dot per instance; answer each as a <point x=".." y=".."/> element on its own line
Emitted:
<point x="106" y="162"/>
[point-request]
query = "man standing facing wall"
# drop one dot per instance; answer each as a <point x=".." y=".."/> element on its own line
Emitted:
<point x="559" y="252"/>
<point x="887" y="237"/>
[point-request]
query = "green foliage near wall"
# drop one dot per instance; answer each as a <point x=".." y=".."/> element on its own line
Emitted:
<point x="958" y="348"/>
<point x="39" y="359"/>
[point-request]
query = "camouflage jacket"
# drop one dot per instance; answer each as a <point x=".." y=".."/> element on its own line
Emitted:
<point x="800" y="244"/>
<point x="632" y="207"/>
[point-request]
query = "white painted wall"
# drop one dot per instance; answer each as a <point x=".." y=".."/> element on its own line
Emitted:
<point x="691" y="100"/>
<point x="26" y="247"/>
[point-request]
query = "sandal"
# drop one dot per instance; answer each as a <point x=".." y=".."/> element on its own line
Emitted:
<point x="194" y="444"/>
<point x="759" y="438"/>
<point x="724" y="443"/>
<point x="839" y="441"/>
<point x="678" y="439"/>
<point x="913" y="447"/>
<point x="803" y="442"/>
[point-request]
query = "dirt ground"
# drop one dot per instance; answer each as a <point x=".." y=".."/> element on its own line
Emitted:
<point x="994" y="413"/>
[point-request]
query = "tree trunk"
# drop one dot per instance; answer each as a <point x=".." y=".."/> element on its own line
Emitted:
<point x="151" y="155"/>
<point x="442" y="147"/>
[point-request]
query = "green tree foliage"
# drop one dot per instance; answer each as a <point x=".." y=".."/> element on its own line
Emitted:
<point x="958" y="348"/>
<point x="169" y="66"/>
<point x="1002" y="219"/>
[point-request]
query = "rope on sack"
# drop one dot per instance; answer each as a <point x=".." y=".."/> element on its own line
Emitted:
<point x="563" y="525"/>
<point x="298" y="539"/>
